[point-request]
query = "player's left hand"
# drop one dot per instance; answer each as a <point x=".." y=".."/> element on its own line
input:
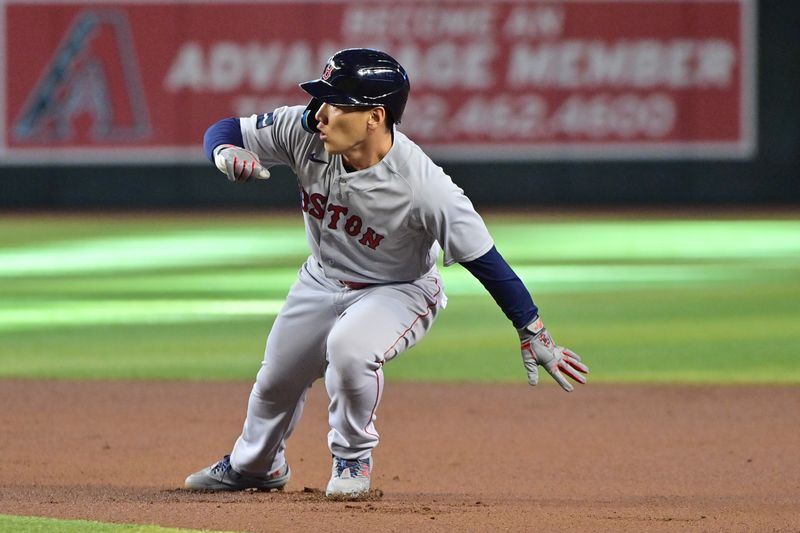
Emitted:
<point x="538" y="348"/>
<point x="239" y="164"/>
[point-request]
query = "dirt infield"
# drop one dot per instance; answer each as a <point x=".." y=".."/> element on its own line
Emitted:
<point x="452" y="458"/>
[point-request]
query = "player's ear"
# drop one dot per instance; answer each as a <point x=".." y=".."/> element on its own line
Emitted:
<point x="377" y="116"/>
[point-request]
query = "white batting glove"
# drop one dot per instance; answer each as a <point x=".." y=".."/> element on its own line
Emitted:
<point x="538" y="348"/>
<point x="239" y="164"/>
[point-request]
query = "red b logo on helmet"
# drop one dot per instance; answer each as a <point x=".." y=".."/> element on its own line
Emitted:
<point x="327" y="73"/>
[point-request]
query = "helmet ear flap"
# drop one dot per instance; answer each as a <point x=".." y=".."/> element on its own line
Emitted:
<point x="308" y="120"/>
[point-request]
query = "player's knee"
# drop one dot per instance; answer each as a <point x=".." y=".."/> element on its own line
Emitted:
<point x="348" y="356"/>
<point x="271" y="385"/>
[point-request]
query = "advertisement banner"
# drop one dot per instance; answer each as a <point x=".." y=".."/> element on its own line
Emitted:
<point x="139" y="82"/>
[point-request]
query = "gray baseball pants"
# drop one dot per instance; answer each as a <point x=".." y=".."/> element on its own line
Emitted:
<point x="328" y="330"/>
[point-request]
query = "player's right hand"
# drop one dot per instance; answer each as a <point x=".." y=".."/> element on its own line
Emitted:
<point x="539" y="349"/>
<point x="239" y="164"/>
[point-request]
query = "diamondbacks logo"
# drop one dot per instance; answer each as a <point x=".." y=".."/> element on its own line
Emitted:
<point x="91" y="88"/>
<point x="328" y="72"/>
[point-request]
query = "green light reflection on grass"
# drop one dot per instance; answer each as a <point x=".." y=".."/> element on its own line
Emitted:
<point x="59" y="313"/>
<point x="164" y="249"/>
<point x="648" y="239"/>
<point x="548" y="242"/>
<point x="583" y="278"/>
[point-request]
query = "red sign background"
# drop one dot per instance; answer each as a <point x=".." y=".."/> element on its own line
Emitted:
<point x="503" y="79"/>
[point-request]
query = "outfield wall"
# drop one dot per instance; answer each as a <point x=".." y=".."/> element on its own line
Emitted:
<point x="587" y="103"/>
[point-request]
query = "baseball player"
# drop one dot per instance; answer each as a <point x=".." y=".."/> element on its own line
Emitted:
<point x="377" y="213"/>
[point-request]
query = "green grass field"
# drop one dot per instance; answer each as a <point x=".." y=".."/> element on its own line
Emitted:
<point x="27" y="524"/>
<point x="193" y="296"/>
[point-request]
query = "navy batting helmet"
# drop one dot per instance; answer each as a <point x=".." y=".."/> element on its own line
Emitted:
<point x="359" y="77"/>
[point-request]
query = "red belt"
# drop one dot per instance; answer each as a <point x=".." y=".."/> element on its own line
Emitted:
<point x="355" y="285"/>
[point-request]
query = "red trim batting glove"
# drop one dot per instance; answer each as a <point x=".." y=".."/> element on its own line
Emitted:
<point x="539" y="349"/>
<point x="239" y="164"/>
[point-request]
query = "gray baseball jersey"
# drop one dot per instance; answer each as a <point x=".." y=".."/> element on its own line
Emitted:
<point x="375" y="225"/>
<point x="381" y="227"/>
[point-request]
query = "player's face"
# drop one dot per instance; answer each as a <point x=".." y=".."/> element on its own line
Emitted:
<point x="342" y="128"/>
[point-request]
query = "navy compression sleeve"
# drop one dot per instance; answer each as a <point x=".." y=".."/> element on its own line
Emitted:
<point x="505" y="287"/>
<point x="226" y="131"/>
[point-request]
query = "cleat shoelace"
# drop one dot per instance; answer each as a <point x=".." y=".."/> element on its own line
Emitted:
<point x="357" y="467"/>
<point x="223" y="465"/>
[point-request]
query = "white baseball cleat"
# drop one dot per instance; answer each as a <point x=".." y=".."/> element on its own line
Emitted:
<point x="349" y="478"/>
